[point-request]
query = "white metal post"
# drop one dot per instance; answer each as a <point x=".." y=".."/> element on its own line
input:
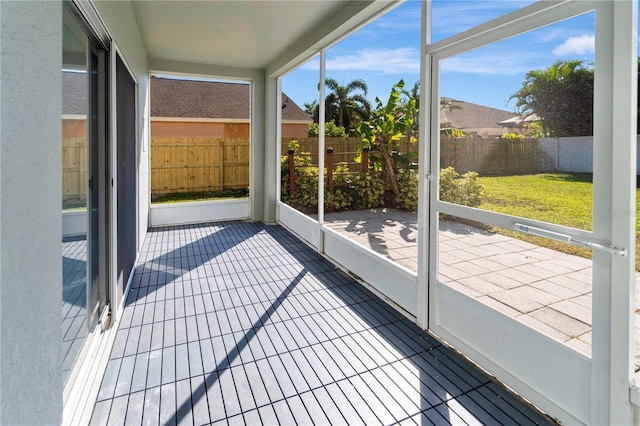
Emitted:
<point x="614" y="211"/>
<point x="112" y="186"/>
<point x="424" y="169"/>
<point x="278" y="131"/>
<point x="321" y="118"/>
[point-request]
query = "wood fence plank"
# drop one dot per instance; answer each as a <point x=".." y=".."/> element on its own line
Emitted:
<point x="201" y="164"/>
<point x="194" y="164"/>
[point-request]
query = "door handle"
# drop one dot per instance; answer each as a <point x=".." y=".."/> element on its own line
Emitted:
<point x="545" y="233"/>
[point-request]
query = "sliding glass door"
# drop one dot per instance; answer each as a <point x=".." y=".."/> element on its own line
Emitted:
<point x="84" y="178"/>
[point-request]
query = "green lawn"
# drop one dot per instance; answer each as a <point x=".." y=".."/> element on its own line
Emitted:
<point x="181" y="197"/>
<point x="561" y="198"/>
<point x="74" y="204"/>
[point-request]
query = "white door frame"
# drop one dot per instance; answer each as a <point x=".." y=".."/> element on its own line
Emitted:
<point x="565" y="383"/>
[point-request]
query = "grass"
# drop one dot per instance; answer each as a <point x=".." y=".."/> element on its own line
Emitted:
<point x="182" y="197"/>
<point x="560" y="198"/>
<point x="74" y="204"/>
<point x="176" y="197"/>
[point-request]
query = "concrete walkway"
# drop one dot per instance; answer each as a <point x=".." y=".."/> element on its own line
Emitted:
<point x="545" y="289"/>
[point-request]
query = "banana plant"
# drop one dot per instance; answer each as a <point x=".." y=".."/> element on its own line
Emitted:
<point x="384" y="131"/>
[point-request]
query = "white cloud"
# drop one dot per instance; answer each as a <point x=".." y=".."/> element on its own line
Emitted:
<point x="576" y="46"/>
<point x="495" y="63"/>
<point x="451" y="17"/>
<point x="384" y="61"/>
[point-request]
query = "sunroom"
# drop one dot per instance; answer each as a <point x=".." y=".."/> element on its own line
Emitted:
<point x="258" y="310"/>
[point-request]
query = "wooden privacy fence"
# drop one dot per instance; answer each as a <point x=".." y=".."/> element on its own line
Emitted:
<point x="74" y="169"/>
<point x="487" y="156"/>
<point x="198" y="164"/>
<point x="209" y="164"/>
<point x="345" y="149"/>
<point x="490" y="157"/>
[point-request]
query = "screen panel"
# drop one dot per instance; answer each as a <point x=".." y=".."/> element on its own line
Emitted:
<point x="126" y="172"/>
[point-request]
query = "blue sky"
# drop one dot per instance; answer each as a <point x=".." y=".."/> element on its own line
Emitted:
<point x="387" y="50"/>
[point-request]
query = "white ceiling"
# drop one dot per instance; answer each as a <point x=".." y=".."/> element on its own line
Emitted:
<point x="246" y="34"/>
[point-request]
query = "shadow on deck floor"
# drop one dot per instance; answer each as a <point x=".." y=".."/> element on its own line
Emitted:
<point x="242" y="323"/>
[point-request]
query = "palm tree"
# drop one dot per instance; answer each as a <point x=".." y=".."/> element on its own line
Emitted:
<point x="311" y="108"/>
<point x="346" y="108"/>
<point x="413" y="93"/>
<point x="561" y="95"/>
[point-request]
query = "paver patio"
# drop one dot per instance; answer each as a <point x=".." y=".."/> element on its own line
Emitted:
<point x="242" y="323"/>
<point x="545" y="289"/>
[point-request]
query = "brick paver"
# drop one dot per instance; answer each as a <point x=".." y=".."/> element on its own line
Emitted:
<point x="548" y="290"/>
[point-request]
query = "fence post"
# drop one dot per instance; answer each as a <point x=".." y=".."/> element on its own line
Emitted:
<point x="221" y="168"/>
<point x="84" y="177"/>
<point x="365" y="159"/>
<point x="329" y="164"/>
<point x="292" y="173"/>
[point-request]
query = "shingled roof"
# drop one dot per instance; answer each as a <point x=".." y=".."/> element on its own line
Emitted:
<point x="206" y="99"/>
<point x="182" y="98"/>
<point x="467" y="115"/>
<point x="74" y="93"/>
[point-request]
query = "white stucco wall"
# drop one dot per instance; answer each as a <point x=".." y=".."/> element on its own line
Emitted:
<point x="122" y="26"/>
<point x="31" y="379"/>
<point x="30" y="222"/>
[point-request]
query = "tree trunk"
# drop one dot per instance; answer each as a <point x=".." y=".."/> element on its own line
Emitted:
<point x="390" y="172"/>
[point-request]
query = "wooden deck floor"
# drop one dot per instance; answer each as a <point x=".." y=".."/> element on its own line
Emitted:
<point x="241" y="323"/>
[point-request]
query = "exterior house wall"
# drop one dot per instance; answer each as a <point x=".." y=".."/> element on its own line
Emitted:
<point x="181" y="129"/>
<point x="486" y="131"/>
<point x="74" y="128"/>
<point x="295" y="130"/>
<point x="207" y="129"/>
<point x="236" y="130"/>
<point x="31" y="383"/>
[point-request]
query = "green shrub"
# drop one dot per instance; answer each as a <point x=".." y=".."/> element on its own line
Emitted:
<point x="305" y="197"/>
<point x="330" y="130"/>
<point x="343" y="191"/>
<point x="511" y="136"/>
<point x="460" y="189"/>
<point x="454" y="188"/>
<point x="369" y="190"/>
<point x="408" y="183"/>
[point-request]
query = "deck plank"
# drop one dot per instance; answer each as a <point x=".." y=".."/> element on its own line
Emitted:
<point x="237" y="322"/>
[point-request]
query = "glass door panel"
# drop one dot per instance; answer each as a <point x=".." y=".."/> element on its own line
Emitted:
<point x="83" y="185"/>
<point x="74" y="188"/>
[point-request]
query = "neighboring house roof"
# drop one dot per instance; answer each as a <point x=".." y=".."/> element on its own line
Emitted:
<point x="182" y="99"/>
<point x="467" y="115"/>
<point x="517" y="120"/>
<point x="207" y="99"/>
<point x="74" y="93"/>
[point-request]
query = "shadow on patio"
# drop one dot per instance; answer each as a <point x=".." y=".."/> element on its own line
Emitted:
<point x="242" y="323"/>
<point x="545" y="289"/>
